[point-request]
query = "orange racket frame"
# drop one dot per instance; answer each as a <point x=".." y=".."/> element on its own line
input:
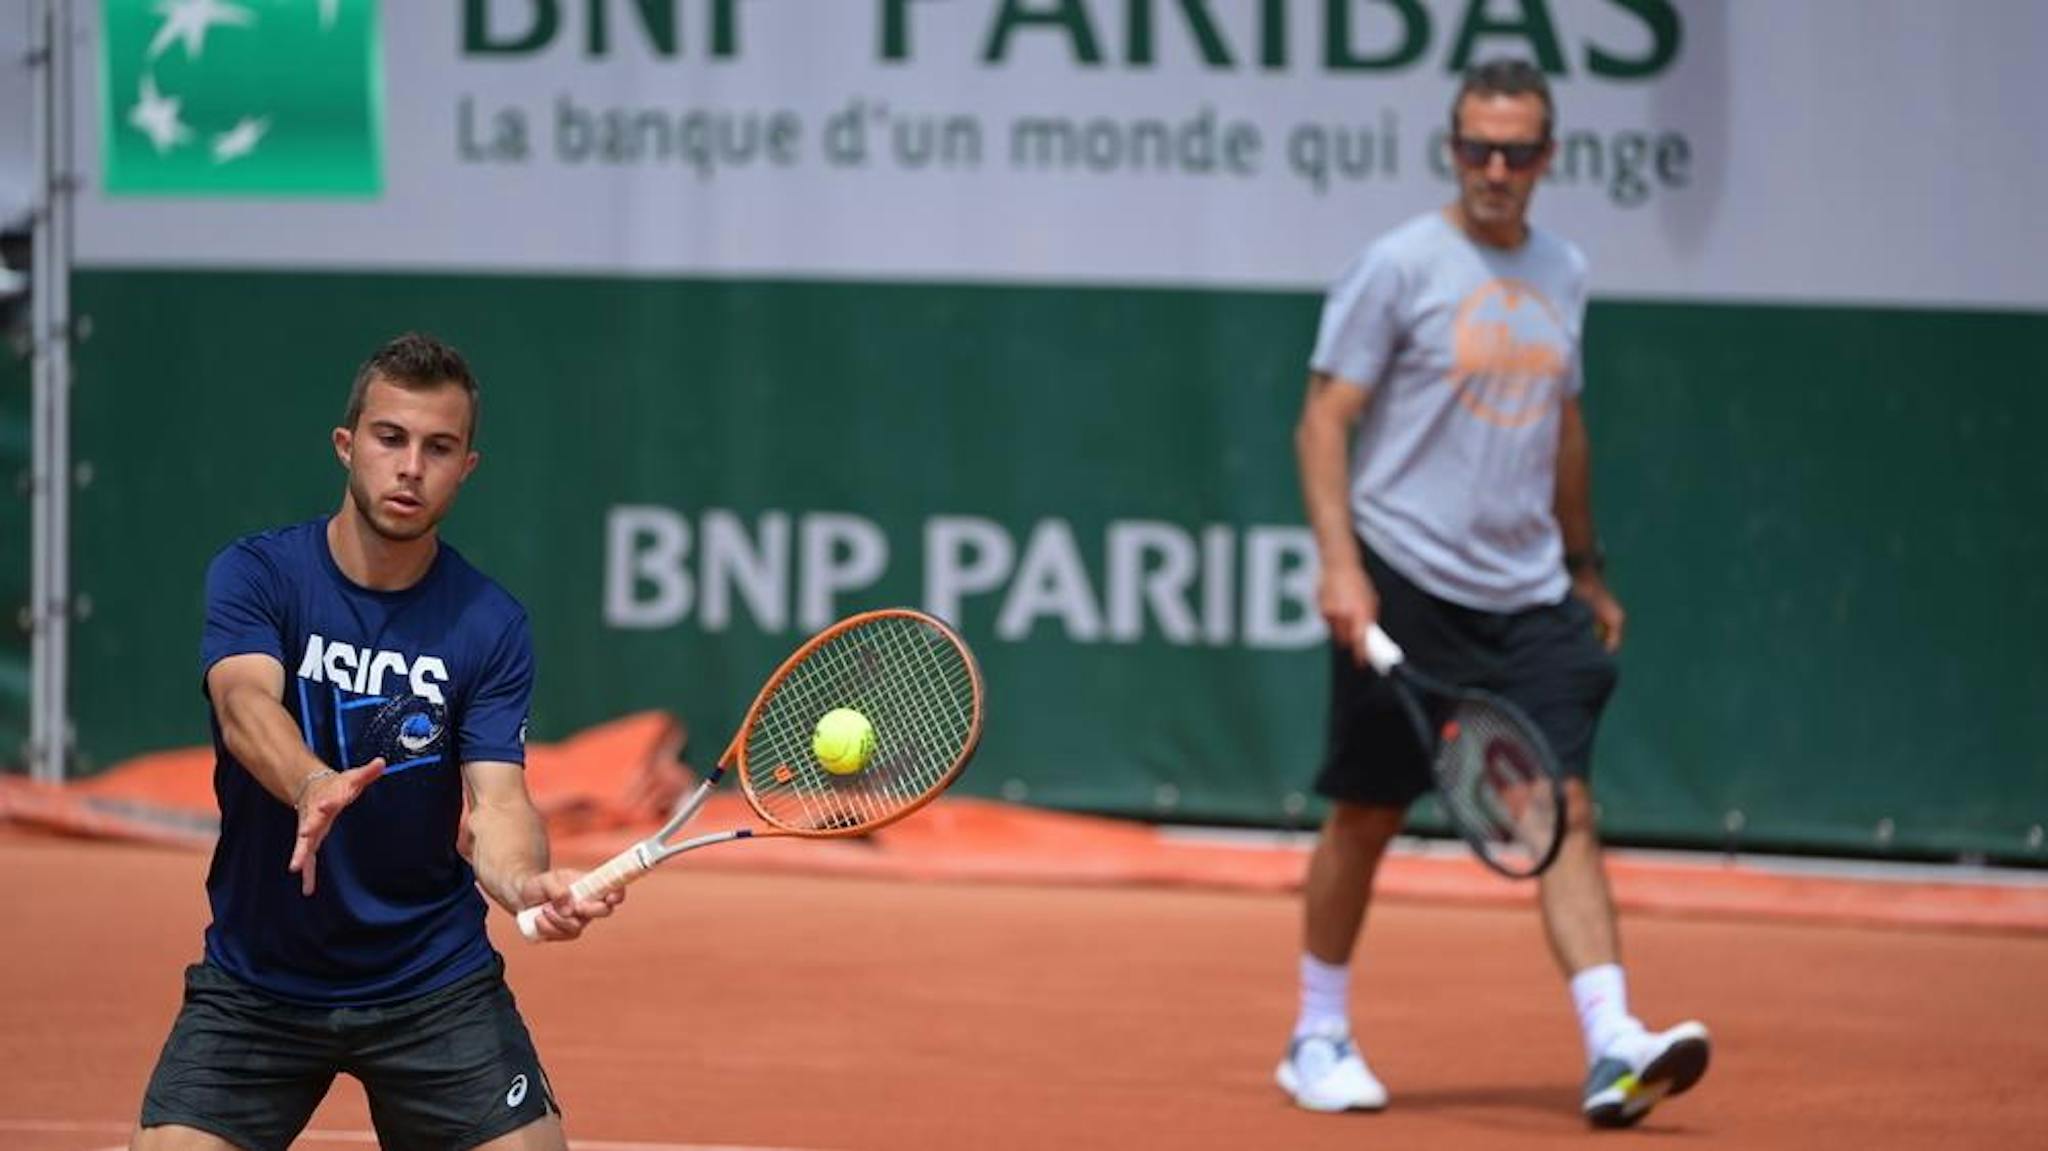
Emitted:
<point x="642" y="856"/>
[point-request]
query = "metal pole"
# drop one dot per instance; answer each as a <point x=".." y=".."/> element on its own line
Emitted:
<point x="60" y="190"/>
<point x="39" y="407"/>
<point x="50" y="334"/>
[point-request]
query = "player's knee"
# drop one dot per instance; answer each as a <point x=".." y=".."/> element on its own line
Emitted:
<point x="544" y="1134"/>
<point x="174" y="1137"/>
<point x="1582" y="814"/>
<point x="1362" y="826"/>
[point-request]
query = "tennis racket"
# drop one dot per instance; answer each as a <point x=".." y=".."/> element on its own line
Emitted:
<point x="1495" y="771"/>
<point x="908" y="673"/>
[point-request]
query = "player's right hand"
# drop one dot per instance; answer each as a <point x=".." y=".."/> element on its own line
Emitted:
<point x="323" y="801"/>
<point x="1350" y="605"/>
<point x="563" y="916"/>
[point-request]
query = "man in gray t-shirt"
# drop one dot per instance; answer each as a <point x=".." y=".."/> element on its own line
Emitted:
<point x="1444" y="468"/>
<point x="1467" y="355"/>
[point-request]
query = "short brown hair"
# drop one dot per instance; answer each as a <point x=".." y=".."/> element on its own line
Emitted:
<point x="1504" y="77"/>
<point x="414" y="361"/>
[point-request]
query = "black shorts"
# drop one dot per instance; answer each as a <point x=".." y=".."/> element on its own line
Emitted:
<point x="443" y="1072"/>
<point x="1547" y="660"/>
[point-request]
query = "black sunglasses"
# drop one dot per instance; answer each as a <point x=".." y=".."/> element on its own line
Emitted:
<point x="1521" y="155"/>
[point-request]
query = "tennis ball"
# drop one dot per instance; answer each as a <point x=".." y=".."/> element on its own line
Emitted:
<point x="844" y="741"/>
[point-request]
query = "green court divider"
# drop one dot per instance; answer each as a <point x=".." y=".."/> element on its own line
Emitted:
<point x="15" y="539"/>
<point x="1825" y="523"/>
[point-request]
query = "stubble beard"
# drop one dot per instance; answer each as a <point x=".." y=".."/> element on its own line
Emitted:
<point x="373" y="514"/>
<point x="1493" y="210"/>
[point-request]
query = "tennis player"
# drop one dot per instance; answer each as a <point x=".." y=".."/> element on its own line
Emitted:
<point x="364" y="679"/>
<point x="1444" y="468"/>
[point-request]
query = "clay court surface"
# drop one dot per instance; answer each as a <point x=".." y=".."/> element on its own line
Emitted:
<point x="733" y="1008"/>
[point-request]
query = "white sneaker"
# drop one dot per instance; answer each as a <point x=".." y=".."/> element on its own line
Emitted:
<point x="1636" y="1074"/>
<point x="1323" y="1071"/>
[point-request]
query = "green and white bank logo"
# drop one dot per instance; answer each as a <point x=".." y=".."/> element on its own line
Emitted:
<point x="242" y="98"/>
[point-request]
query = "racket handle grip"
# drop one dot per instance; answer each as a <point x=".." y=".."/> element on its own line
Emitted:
<point x="617" y="872"/>
<point x="1381" y="651"/>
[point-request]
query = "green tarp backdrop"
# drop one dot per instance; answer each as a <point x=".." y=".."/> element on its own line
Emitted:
<point x="1831" y="558"/>
<point x="16" y="463"/>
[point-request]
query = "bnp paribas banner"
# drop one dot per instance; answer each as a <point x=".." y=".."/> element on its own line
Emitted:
<point x="1708" y="148"/>
<point x="789" y="308"/>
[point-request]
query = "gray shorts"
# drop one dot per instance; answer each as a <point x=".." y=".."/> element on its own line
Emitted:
<point x="443" y="1072"/>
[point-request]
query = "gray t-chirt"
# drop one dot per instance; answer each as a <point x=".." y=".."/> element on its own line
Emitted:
<point x="1469" y="353"/>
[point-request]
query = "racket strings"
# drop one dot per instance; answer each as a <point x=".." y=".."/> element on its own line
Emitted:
<point x="915" y="686"/>
<point x="1494" y="779"/>
<point x="922" y="742"/>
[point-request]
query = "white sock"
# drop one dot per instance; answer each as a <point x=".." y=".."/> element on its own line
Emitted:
<point x="1325" y="995"/>
<point x="1601" y="996"/>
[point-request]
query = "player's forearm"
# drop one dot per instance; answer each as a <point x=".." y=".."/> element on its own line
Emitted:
<point x="1322" y="452"/>
<point x="1574" y="502"/>
<point x="263" y="738"/>
<point x="1575" y="515"/>
<point x="510" y="847"/>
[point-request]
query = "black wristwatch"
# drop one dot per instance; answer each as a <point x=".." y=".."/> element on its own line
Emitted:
<point x="1593" y="559"/>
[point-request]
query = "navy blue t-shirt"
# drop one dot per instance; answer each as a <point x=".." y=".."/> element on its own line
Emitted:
<point x="431" y="677"/>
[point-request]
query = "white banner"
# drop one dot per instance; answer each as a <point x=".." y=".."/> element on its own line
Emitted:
<point x="1877" y="151"/>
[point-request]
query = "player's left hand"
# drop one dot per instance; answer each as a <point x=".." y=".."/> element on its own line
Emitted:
<point x="325" y="796"/>
<point x="563" y="917"/>
<point x="1608" y="616"/>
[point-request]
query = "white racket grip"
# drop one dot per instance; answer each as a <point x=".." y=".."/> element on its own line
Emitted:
<point x="620" y="870"/>
<point x="1380" y="650"/>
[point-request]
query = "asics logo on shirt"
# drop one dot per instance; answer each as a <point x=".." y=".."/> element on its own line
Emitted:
<point x="364" y="671"/>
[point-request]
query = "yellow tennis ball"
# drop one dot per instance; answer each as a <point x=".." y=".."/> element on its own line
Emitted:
<point x="844" y="741"/>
